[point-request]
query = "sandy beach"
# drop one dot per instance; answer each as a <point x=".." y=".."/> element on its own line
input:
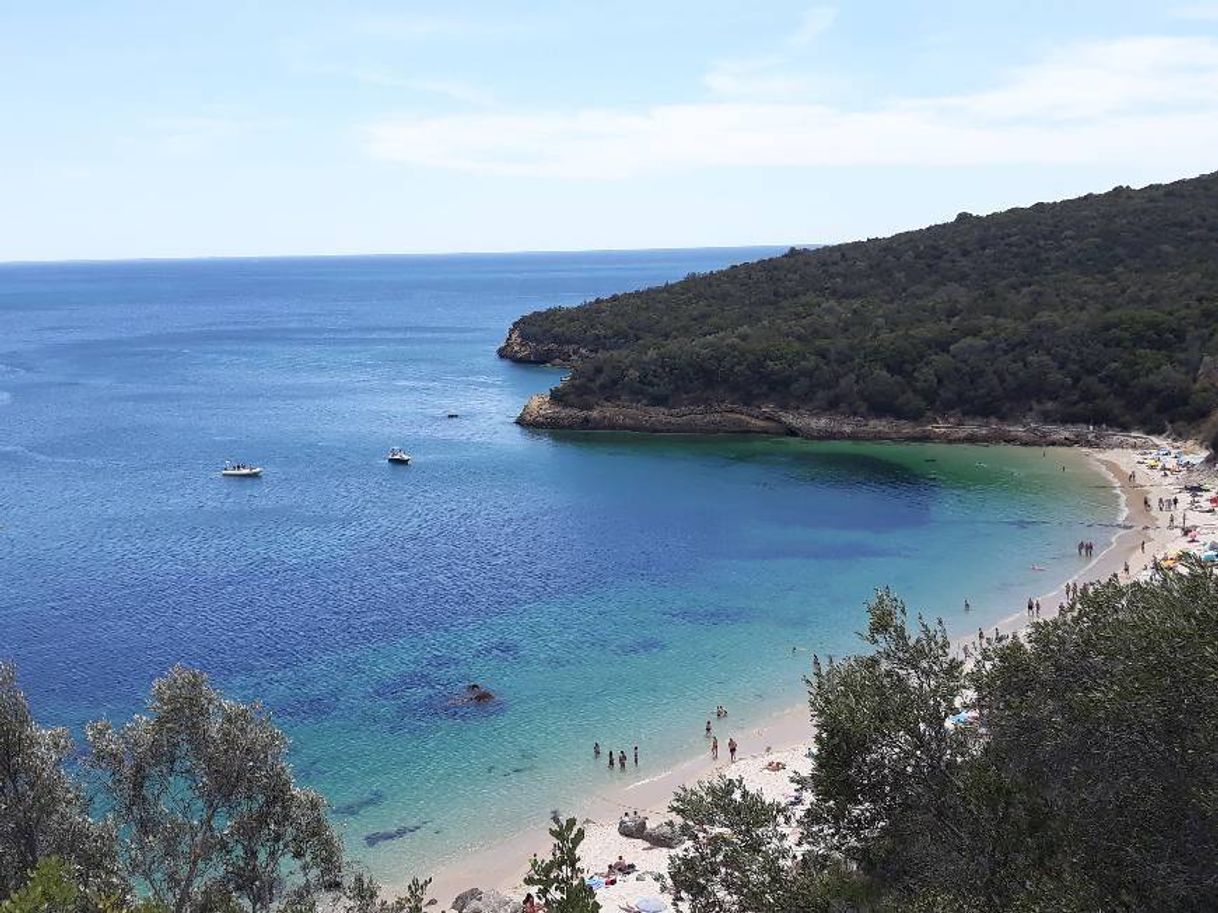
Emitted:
<point x="1141" y="536"/>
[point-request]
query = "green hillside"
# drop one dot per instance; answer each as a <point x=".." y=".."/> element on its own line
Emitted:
<point x="1101" y="309"/>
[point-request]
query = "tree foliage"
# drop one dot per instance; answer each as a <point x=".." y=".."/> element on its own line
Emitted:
<point x="739" y="853"/>
<point x="1101" y="309"/>
<point x="43" y="811"/>
<point x="201" y="814"/>
<point x="203" y="800"/>
<point x="1089" y="784"/>
<point x="559" y="879"/>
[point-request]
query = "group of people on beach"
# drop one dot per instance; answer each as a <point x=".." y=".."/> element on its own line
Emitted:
<point x="1086" y="549"/>
<point x="714" y="739"/>
<point x="1033" y="608"/>
<point x="618" y="760"/>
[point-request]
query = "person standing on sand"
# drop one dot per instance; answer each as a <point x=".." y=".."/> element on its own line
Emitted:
<point x="1038" y="608"/>
<point x="714" y="748"/>
<point x="731" y="749"/>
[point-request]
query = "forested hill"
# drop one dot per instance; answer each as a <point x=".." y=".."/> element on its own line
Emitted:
<point x="1101" y="309"/>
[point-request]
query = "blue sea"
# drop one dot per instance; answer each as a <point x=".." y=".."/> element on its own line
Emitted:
<point x="610" y="588"/>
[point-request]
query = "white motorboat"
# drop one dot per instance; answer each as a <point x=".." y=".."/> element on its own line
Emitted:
<point x="398" y="455"/>
<point x="241" y="470"/>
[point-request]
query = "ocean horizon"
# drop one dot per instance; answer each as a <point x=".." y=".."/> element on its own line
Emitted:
<point x="605" y="587"/>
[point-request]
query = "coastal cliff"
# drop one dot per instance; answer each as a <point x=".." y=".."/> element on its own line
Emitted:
<point x="1092" y="312"/>
<point x="541" y="411"/>
<point x="517" y="348"/>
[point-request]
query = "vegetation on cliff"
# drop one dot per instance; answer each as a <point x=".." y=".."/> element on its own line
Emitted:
<point x="1102" y="309"/>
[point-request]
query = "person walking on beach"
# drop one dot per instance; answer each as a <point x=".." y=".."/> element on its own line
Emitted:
<point x="1038" y="608"/>
<point x="714" y="748"/>
<point x="1029" y="606"/>
<point x="731" y="749"/>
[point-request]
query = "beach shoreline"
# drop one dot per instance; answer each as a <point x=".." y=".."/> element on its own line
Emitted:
<point x="785" y="736"/>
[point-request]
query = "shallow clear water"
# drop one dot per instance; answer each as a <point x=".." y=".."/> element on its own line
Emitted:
<point x="607" y="587"/>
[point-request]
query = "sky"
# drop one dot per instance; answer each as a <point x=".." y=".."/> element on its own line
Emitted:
<point x="165" y="129"/>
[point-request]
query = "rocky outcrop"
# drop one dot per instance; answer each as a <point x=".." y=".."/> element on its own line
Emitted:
<point x="517" y="348"/>
<point x="542" y="411"/>
<point x="666" y="835"/>
<point x="633" y="826"/>
<point x="475" y="900"/>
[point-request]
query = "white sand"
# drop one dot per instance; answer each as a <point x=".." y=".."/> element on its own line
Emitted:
<point x="786" y="736"/>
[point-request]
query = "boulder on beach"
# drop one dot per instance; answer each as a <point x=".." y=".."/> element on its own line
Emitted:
<point x="493" y="902"/>
<point x="462" y="900"/>
<point x="666" y="835"/>
<point x="633" y="826"/>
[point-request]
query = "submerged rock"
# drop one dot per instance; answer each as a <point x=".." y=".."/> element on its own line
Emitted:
<point x="376" y="797"/>
<point x="473" y="694"/>
<point x="382" y="836"/>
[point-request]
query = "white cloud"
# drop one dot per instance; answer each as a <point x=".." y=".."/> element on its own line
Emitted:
<point x="1203" y="11"/>
<point x="1140" y="101"/>
<point x="765" y="77"/>
<point x="457" y="91"/>
<point x="814" y="22"/>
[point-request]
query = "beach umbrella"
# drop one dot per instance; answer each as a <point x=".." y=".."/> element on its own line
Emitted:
<point x="650" y="905"/>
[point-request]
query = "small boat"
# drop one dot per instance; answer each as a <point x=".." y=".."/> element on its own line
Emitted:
<point x="398" y="455"/>
<point x="453" y="415"/>
<point x="241" y="470"/>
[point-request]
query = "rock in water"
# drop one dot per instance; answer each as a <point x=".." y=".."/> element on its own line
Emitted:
<point x="632" y="826"/>
<point x="473" y="694"/>
<point x="665" y="834"/>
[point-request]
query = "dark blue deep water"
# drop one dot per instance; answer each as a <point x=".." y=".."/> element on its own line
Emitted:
<point x="607" y="587"/>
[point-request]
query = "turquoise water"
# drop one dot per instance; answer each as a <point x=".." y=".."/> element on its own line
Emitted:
<point x="606" y="587"/>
